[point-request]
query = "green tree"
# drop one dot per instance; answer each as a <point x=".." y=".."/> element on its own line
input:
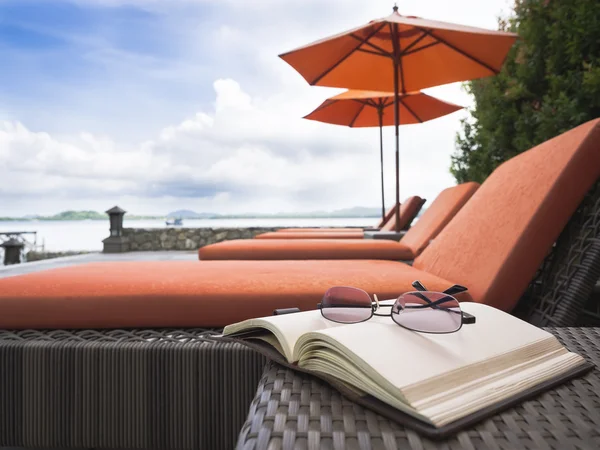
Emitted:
<point x="549" y="84"/>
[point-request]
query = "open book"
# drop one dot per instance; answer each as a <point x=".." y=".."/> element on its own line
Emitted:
<point x="434" y="382"/>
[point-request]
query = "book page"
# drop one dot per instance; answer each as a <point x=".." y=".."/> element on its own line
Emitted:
<point x="399" y="358"/>
<point x="472" y="400"/>
<point x="286" y="327"/>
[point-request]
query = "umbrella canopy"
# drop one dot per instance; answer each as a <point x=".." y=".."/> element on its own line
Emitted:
<point x="431" y="53"/>
<point x="371" y="108"/>
<point x="401" y="54"/>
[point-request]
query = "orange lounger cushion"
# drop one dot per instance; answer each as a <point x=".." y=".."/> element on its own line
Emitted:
<point x="498" y="240"/>
<point x="188" y="293"/>
<point x="388" y="216"/>
<point x="312" y="235"/>
<point x="282" y="245"/>
<point x="408" y="211"/>
<point x="493" y="246"/>
<point x="317" y="230"/>
<point x="281" y="249"/>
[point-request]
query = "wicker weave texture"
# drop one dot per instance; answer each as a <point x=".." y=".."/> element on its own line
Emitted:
<point x="124" y="389"/>
<point x="294" y="411"/>
<point x="558" y="296"/>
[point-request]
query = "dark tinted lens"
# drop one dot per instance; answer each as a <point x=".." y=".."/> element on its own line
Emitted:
<point x="432" y="312"/>
<point x="346" y="305"/>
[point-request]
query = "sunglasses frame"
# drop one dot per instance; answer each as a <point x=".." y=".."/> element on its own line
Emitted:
<point x="450" y="292"/>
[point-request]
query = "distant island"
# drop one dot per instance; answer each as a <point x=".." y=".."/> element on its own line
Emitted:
<point x="74" y="215"/>
<point x="188" y="214"/>
<point x="357" y="211"/>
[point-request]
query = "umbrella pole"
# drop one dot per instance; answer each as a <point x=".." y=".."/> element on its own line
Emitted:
<point x="380" y="112"/>
<point x="396" y="127"/>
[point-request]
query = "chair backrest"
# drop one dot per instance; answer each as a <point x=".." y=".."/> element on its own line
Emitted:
<point x="495" y="244"/>
<point x="438" y="215"/>
<point x="389" y="214"/>
<point x="408" y="211"/>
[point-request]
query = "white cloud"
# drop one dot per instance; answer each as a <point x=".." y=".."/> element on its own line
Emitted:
<point x="243" y="155"/>
<point x="146" y="130"/>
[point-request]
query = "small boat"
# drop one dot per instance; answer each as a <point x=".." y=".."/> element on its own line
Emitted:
<point x="175" y="222"/>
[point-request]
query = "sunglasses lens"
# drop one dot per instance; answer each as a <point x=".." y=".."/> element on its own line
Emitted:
<point x="431" y="312"/>
<point x="346" y="305"/>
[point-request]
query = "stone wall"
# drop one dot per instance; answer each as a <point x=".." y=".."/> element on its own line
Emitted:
<point x="155" y="239"/>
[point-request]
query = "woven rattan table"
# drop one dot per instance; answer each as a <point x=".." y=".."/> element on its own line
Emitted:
<point x="297" y="411"/>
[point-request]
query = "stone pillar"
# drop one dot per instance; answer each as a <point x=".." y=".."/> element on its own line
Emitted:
<point x="12" y="251"/>
<point x="116" y="242"/>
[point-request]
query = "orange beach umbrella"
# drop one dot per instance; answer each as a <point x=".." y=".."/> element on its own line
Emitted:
<point x="401" y="54"/>
<point x="370" y="109"/>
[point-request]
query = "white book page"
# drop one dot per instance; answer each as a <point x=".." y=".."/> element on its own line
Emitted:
<point x="287" y="327"/>
<point x="404" y="357"/>
<point x="444" y="412"/>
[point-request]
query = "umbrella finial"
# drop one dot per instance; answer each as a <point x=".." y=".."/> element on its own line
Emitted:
<point x="395" y="8"/>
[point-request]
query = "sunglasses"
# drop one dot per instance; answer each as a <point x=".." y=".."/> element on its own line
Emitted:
<point x="422" y="310"/>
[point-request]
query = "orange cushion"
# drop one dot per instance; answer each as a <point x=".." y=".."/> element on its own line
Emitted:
<point x="312" y="235"/>
<point x="388" y="215"/>
<point x="408" y="211"/>
<point x="438" y="215"/>
<point x="498" y="240"/>
<point x="188" y="293"/>
<point x="275" y="249"/>
<point x="313" y="230"/>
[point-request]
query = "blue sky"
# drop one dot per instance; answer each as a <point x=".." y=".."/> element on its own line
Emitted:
<point x="159" y="105"/>
<point x="73" y="57"/>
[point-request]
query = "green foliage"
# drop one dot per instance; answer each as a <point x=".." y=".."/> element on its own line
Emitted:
<point x="549" y="84"/>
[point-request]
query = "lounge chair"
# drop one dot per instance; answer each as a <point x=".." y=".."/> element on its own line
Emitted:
<point x="442" y="210"/>
<point x="494" y="245"/>
<point x="176" y="388"/>
<point x="408" y="211"/>
<point x="389" y="214"/>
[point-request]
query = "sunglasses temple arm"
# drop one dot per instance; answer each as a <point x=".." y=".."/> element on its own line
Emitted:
<point x="431" y="304"/>
<point x="418" y="286"/>
<point x="456" y="289"/>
